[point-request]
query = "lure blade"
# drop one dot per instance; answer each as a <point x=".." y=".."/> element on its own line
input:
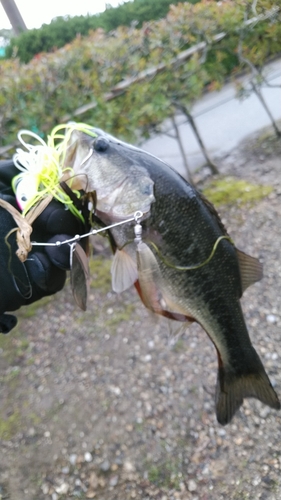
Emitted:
<point x="79" y="275"/>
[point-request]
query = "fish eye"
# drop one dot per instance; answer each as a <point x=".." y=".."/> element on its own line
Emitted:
<point x="101" y="144"/>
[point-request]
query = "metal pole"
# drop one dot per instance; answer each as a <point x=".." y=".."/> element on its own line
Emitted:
<point x="14" y="16"/>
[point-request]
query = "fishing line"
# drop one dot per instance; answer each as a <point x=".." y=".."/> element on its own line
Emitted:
<point x="196" y="266"/>
<point x="138" y="239"/>
<point x="41" y="172"/>
<point x="137" y="216"/>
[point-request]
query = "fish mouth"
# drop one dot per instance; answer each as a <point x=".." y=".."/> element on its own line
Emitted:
<point x="123" y="185"/>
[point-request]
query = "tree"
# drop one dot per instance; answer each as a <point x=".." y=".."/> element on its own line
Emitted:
<point x="130" y="80"/>
<point x="253" y="59"/>
<point x="63" y="30"/>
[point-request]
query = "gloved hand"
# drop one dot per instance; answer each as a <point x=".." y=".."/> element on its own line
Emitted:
<point x="44" y="272"/>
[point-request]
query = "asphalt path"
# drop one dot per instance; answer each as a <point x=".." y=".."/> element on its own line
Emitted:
<point x="223" y="121"/>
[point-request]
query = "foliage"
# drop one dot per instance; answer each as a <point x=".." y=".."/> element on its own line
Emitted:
<point x="42" y="93"/>
<point x="229" y="191"/>
<point x="63" y="30"/>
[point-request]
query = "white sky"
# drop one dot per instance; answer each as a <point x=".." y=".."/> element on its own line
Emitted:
<point x="37" y="12"/>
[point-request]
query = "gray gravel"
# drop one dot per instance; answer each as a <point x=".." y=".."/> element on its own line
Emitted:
<point x="116" y="404"/>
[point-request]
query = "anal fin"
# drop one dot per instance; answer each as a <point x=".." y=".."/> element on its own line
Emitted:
<point x="151" y="288"/>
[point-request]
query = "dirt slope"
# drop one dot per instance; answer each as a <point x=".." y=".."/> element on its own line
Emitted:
<point x="110" y="404"/>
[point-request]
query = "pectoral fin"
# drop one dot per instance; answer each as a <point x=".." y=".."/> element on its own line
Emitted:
<point x="123" y="270"/>
<point x="250" y="269"/>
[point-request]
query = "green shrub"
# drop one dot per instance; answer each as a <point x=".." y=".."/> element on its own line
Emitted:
<point x="63" y="30"/>
<point x="42" y="93"/>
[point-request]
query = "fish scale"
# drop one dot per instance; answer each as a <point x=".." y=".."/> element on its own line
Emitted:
<point x="180" y="228"/>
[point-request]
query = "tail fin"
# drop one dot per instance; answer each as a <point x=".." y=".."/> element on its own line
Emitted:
<point x="233" y="388"/>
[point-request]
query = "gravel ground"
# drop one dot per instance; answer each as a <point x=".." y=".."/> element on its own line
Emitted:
<point x="116" y="404"/>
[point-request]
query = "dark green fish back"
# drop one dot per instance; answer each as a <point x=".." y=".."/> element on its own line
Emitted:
<point x="181" y="230"/>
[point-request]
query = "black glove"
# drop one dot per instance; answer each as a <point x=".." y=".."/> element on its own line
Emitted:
<point x="44" y="271"/>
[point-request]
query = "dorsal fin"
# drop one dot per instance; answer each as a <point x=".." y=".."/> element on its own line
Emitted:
<point x="250" y="269"/>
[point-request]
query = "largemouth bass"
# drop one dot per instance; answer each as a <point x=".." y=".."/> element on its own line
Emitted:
<point x="170" y="266"/>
